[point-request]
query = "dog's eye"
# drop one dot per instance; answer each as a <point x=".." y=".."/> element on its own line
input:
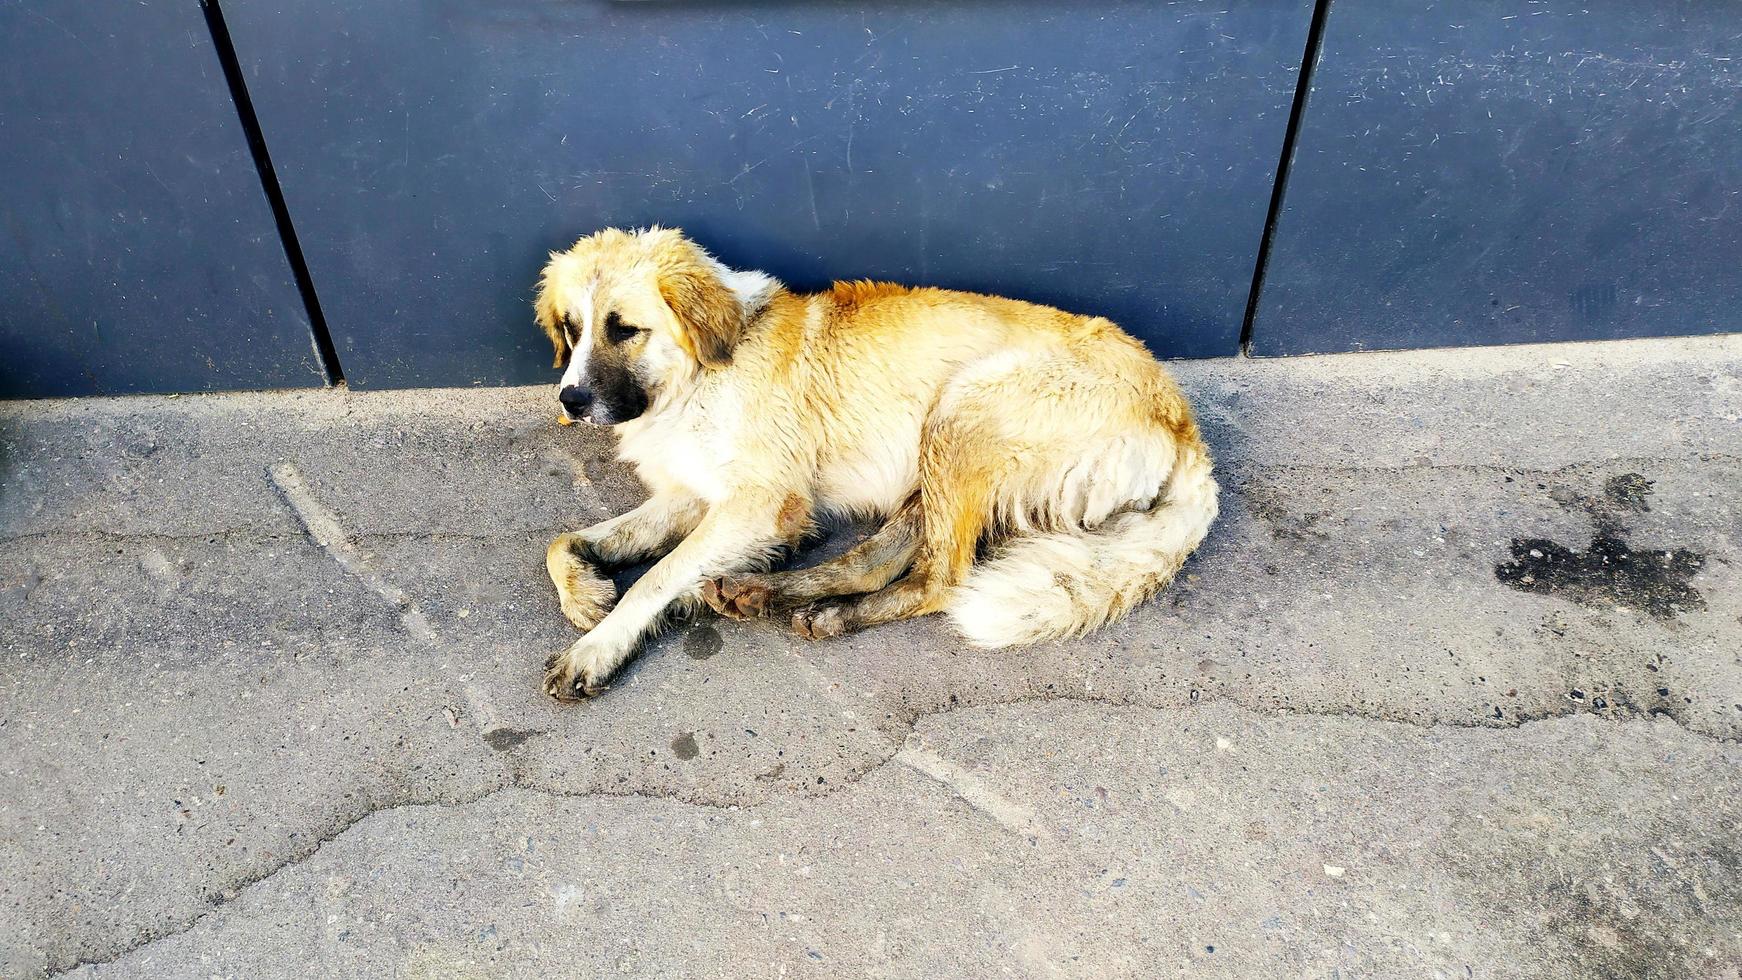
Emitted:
<point x="617" y="331"/>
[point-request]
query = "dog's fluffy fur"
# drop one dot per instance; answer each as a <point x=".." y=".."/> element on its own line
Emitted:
<point x="1037" y="472"/>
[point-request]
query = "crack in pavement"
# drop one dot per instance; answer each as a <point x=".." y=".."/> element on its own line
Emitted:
<point x="1239" y="465"/>
<point x="911" y="716"/>
<point x="255" y="535"/>
<point x="1522" y="722"/>
<point x="515" y="780"/>
<point x="909" y="752"/>
<point x="247" y="533"/>
<point x="231" y="893"/>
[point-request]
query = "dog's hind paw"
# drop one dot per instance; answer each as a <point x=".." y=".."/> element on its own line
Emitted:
<point x="737" y="598"/>
<point x="819" y="622"/>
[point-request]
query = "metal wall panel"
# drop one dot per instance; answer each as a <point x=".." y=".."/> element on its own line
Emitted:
<point x="137" y="250"/>
<point x="1501" y="171"/>
<point x="1109" y="157"/>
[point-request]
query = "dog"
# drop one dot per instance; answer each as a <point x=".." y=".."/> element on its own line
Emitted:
<point x="1036" y="473"/>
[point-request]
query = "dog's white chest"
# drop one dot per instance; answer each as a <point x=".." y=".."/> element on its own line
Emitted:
<point x="690" y="452"/>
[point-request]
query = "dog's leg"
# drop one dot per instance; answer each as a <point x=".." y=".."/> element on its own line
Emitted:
<point x="648" y="531"/>
<point x="867" y="567"/>
<point x="951" y="532"/>
<point x="574" y="558"/>
<point x="956" y="484"/>
<point x="903" y="600"/>
<point x="734" y="535"/>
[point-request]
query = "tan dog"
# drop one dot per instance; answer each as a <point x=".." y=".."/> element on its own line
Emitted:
<point x="962" y="421"/>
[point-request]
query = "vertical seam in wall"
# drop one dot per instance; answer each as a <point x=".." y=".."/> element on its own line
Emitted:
<point x="305" y="285"/>
<point x="1303" y="86"/>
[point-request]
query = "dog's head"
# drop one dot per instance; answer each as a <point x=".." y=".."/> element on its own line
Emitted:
<point x="636" y="315"/>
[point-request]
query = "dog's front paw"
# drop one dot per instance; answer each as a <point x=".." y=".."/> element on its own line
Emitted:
<point x="819" y="622"/>
<point x="740" y="597"/>
<point x="585" y="595"/>
<point x="580" y="672"/>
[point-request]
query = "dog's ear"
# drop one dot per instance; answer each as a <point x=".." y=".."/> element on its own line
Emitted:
<point x="708" y="314"/>
<point x="549" y="318"/>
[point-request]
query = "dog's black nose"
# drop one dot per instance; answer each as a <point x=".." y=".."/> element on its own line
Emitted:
<point x="575" y="399"/>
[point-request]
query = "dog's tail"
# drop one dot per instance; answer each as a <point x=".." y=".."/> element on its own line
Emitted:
<point x="1045" y="586"/>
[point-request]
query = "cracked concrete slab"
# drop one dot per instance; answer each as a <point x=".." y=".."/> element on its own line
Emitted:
<point x="221" y="735"/>
<point x="1119" y="841"/>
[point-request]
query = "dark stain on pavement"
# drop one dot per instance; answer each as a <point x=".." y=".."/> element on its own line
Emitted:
<point x="685" y="747"/>
<point x="702" y="642"/>
<point x="1628" y="492"/>
<point x="1609" y="572"/>
<point x="1606" y="573"/>
<point x="1281" y="515"/>
<point x="503" y="739"/>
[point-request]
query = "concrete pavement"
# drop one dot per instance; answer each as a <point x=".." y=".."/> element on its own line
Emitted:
<point x="1453" y="689"/>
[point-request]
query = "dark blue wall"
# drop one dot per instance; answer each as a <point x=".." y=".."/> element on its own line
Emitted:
<point x="1485" y="171"/>
<point x="137" y="251"/>
<point x="1111" y="157"/>
<point x="1500" y="171"/>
